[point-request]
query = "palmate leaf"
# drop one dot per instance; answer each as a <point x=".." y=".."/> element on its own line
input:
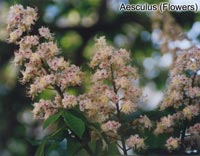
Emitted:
<point x="74" y="123"/>
<point x="52" y="119"/>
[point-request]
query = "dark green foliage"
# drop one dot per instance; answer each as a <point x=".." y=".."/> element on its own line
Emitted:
<point x="52" y="119"/>
<point x="74" y="123"/>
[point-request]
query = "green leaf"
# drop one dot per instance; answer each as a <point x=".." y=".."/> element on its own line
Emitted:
<point x="75" y="124"/>
<point x="112" y="150"/>
<point x="40" y="150"/>
<point x="58" y="135"/>
<point x="52" y="119"/>
<point x="154" y="142"/>
<point x="33" y="142"/>
<point x="52" y="146"/>
<point x="74" y="148"/>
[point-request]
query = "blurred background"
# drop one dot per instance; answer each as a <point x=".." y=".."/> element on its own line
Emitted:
<point x="76" y="23"/>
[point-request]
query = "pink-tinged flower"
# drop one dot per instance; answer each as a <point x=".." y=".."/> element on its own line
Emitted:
<point x="167" y="121"/>
<point x="47" y="50"/>
<point x="20" y="19"/>
<point x="133" y="92"/>
<point x="128" y="107"/>
<point x="127" y="71"/>
<point x="172" y="99"/>
<point x="178" y="116"/>
<point x="145" y="121"/>
<point x="99" y="88"/>
<point x="122" y="82"/>
<point x="100" y="75"/>
<point x="179" y="81"/>
<point x="58" y="63"/>
<point x="28" y="42"/>
<point x="30" y="16"/>
<point x="14" y="16"/>
<point x="34" y="61"/>
<point x="110" y="126"/>
<point x="172" y="143"/>
<point x="27" y="53"/>
<point x="15" y="35"/>
<point x="45" y="32"/>
<point x="175" y="96"/>
<point x="195" y="129"/>
<point x="159" y="129"/>
<point x="69" y="101"/>
<point x="71" y="76"/>
<point x="84" y="102"/>
<point x="192" y="65"/>
<point x="103" y="54"/>
<point x="191" y="111"/>
<point x="19" y="58"/>
<point x="111" y="95"/>
<point x="123" y="53"/>
<point x="43" y="109"/>
<point x="28" y="74"/>
<point x="135" y="142"/>
<point x="164" y="125"/>
<point x="41" y="83"/>
<point x="121" y="58"/>
<point x="186" y="60"/>
<point x="193" y="92"/>
<point x="58" y="100"/>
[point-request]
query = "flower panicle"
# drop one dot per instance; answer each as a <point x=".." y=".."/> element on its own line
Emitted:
<point x="43" y="68"/>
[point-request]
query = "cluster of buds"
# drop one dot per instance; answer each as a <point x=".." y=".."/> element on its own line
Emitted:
<point x="43" y="68"/>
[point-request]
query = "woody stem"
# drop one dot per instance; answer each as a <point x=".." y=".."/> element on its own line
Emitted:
<point x="118" y="110"/>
